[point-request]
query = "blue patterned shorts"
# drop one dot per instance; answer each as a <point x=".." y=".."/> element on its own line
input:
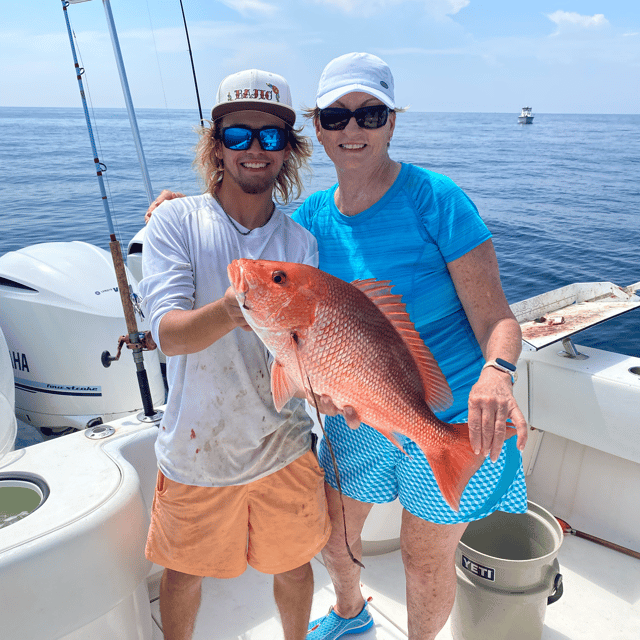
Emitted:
<point x="373" y="470"/>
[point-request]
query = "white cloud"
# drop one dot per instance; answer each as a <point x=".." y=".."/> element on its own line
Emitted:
<point x="572" y="21"/>
<point x="457" y="5"/>
<point x="249" y="8"/>
<point x="423" y="52"/>
<point x="369" y="7"/>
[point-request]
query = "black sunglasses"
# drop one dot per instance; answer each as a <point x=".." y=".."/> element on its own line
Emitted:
<point x="373" y="117"/>
<point x="240" y="138"/>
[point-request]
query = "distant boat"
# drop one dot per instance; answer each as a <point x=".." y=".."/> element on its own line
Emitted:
<point x="525" y="116"/>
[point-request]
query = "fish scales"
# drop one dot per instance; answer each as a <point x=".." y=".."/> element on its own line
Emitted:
<point x="367" y="348"/>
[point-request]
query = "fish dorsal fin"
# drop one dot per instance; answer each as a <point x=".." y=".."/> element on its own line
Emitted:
<point x="436" y="389"/>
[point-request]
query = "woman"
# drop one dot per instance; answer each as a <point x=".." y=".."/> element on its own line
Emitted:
<point x="397" y="222"/>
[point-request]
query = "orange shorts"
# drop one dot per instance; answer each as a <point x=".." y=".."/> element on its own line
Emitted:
<point x="275" y="524"/>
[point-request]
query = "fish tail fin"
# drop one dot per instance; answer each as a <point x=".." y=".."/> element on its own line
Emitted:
<point x="454" y="463"/>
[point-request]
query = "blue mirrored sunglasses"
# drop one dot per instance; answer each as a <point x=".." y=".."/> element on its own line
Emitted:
<point x="240" y="138"/>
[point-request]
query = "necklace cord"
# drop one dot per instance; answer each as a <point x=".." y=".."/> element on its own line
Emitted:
<point x="232" y="221"/>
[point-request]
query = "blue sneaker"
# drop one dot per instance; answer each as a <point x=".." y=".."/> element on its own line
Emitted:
<point x="332" y="626"/>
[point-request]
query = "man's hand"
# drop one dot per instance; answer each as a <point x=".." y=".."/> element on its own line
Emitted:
<point x="232" y="307"/>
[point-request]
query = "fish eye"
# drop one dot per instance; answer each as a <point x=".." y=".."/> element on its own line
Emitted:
<point x="279" y="277"/>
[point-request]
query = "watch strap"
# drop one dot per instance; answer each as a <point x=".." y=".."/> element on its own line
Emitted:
<point x="503" y="365"/>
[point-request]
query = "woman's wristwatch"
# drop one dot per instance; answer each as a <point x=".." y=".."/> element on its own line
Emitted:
<point x="503" y="365"/>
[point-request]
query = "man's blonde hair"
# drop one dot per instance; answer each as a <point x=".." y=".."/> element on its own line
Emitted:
<point x="288" y="186"/>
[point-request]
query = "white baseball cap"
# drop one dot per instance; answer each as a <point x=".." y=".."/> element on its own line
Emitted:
<point x="254" y="90"/>
<point x="355" y="72"/>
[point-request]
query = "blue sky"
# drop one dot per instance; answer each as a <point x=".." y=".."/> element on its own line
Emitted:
<point x="559" y="56"/>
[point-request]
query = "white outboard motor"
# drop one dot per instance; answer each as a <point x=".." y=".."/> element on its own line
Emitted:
<point x="8" y="426"/>
<point x="134" y="254"/>
<point x="59" y="310"/>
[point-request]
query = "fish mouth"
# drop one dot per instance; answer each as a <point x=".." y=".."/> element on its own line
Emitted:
<point x="240" y="282"/>
<point x="236" y="278"/>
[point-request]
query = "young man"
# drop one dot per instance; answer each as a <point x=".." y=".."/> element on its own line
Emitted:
<point x="233" y="473"/>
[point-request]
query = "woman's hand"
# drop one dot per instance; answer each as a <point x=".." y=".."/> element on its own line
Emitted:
<point x="325" y="405"/>
<point x="491" y="404"/>
<point x="165" y="194"/>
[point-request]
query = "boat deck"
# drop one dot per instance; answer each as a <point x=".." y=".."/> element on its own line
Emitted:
<point x="601" y="594"/>
<point x="601" y="600"/>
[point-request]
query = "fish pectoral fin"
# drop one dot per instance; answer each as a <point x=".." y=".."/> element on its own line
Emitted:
<point x="283" y="387"/>
<point x="454" y="464"/>
<point x="389" y="435"/>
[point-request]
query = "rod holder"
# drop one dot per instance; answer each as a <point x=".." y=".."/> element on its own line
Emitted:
<point x="570" y="350"/>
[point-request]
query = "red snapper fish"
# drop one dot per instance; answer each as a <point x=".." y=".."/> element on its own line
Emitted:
<point x="355" y="343"/>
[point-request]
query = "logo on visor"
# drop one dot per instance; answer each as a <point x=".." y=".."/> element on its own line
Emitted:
<point x="254" y="94"/>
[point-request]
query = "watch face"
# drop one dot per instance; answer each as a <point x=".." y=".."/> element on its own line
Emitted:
<point x="505" y="364"/>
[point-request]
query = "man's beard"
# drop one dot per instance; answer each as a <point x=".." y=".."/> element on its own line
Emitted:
<point x="257" y="186"/>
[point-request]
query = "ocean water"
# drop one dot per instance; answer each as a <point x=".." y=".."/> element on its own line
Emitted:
<point x="561" y="196"/>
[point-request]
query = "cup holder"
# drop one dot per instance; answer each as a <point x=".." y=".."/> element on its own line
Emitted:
<point x="20" y="495"/>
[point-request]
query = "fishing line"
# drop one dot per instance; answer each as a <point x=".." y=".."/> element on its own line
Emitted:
<point x="155" y="50"/>
<point x="184" y="178"/>
<point x="337" y="474"/>
<point x="294" y="340"/>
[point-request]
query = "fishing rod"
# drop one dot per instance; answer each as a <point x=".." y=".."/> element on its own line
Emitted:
<point x="567" y="529"/>
<point x="193" y="68"/>
<point x="134" y="336"/>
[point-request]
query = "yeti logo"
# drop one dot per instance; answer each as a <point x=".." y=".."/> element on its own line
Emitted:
<point x="482" y="572"/>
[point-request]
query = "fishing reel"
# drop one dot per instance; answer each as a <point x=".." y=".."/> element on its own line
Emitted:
<point x="144" y="343"/>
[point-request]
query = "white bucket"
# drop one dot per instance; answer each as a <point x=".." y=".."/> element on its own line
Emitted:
<point x="507" y="573"/>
